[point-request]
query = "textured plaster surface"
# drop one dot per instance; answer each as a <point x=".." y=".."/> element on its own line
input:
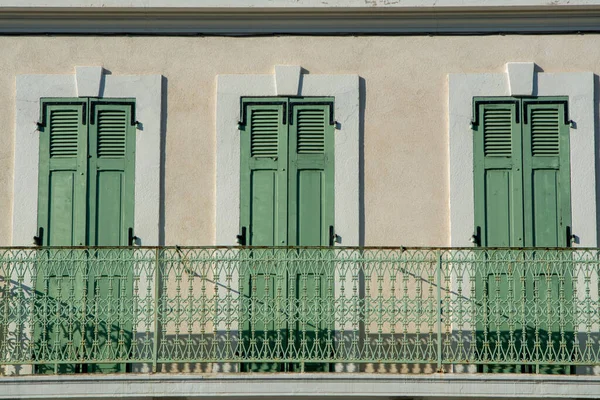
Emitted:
<point x="86" y="82"/>
<point x="403" y="109"/>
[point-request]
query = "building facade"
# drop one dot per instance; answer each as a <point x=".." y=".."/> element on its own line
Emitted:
<point x="399" y="140"/>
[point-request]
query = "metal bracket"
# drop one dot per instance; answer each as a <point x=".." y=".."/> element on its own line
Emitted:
<point x="241" y="238"/>
<point x="39" y="239"/>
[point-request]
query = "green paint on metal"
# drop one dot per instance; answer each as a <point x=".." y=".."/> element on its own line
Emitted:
<point x="532" y="310"/>
<point x="522" y="198"/>
<point x="86" y="197"/>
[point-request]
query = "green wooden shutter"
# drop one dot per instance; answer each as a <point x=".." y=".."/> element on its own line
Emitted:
<point x="498" y="181"/>
<point x="111" y="187"/>
<point x="547" y="204"/>
<point x="112" y="170"/>
<point x="263" y="172"/>
<point x="311" y="175"/>
<point x="522" y="199"/>
<point x="499" y="215"/>
<point x="546" y="173"/>
<point x="263" y="216"/>
<point x="61" y="217"/>
<point x="62" y="172"/>
<point x="311" y="214"/>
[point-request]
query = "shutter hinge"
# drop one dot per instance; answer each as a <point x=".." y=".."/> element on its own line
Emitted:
<point x="131" y="238"/>
<point x="476" y="237"/>
<point x="241" y="238"/>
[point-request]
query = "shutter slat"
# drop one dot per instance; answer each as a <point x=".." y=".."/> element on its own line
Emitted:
<point x="64" y="128"/>
<point x="264" y="132"/>
<point x="311" y="131"/>
<point x="112" y="129"/>
<point x="544" y="132"/>
<point x="497" y="132"/>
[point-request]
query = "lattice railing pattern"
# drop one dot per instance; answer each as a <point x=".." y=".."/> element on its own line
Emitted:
<point x="286" y="309"/>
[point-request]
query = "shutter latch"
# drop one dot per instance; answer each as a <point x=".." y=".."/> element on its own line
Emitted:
<point x="333" y="237"/>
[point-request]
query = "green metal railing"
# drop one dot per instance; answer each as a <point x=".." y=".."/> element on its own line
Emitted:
<point x="298" y="309"/>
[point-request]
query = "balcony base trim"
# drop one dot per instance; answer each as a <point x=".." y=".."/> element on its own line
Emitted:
<point x="358" y="386"/>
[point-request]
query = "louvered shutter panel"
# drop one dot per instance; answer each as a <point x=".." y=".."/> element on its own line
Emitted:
<point x="61" y="220"/>
<point x="547" y="214"/>
<point x="263" y="195"/>
<point x="112" y="170"/>
<point x="311" y="177"/>
<point x="264" y="132"/>
<point x="497" y="131"/>
<point x="112" y="133"/>
<point x="546" y="172"/>
<point x="311" y="124"/>
<point x="545" y="131"/>
<point x="62" y="172"/>
<point x="499" y="216"/>
<point x="497" y="173"/>
<point x="111" y="188"/>
<point x="311" y="214"/>
<point x="263" y="206"/>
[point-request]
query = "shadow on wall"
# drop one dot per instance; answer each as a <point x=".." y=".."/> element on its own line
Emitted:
<point x="597" y="152"/>
<point x="163" y="159"/>
<point x="361" y="159"/>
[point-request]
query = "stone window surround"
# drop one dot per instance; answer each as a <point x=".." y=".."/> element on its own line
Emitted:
<point x="288" y="81"/>
<point x="521" y="79"/>
<point x="88" y="82"/>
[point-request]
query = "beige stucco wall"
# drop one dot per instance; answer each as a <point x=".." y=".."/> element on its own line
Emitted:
<point x="404" y="92"/>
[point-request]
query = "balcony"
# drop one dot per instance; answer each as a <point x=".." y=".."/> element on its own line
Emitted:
<point x="368" y="312"/>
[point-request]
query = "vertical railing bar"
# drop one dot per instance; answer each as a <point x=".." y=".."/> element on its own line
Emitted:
<point x="156" y="295"/>
<point x="439" y="310"/>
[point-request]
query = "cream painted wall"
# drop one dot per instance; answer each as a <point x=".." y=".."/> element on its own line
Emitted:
<point x="404" y="88"/>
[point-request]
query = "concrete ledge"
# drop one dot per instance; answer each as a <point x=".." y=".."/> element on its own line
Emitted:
<point x="366" y="386"/>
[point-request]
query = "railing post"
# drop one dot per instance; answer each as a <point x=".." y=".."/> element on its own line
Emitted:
<point x="439" y="310"/>
<point x="156" y="298"/>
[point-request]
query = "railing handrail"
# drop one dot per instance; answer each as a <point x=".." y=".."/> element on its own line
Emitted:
<point x="336" y="247"/>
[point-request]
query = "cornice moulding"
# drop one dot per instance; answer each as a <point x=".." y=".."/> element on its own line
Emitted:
<point x="250" y="21"/>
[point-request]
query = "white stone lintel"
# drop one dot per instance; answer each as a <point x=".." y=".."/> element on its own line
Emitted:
<point x="520" y="78"/>
<point x="89" y="81"/>
<point x="287" y="79"/>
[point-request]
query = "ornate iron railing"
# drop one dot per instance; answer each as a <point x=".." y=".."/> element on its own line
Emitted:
<point x="299" y="309"/>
